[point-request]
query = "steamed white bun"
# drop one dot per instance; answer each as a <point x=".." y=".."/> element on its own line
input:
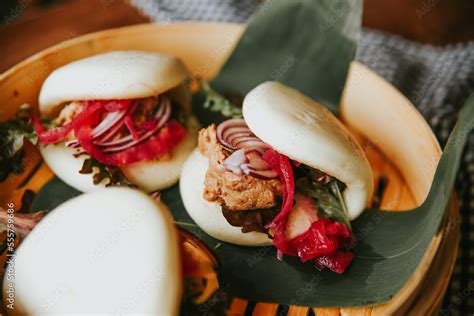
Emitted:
<point x="305" y="131"/>
<point x="114" y="251"/>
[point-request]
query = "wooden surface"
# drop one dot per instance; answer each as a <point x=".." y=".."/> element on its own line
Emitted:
<point x="438" y="22"/>
<point x="31" y="27"/>
<point x="194" y="45"/>
<point x="39" y="28"/>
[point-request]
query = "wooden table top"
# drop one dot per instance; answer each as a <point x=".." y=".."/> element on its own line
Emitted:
<point x="31" y="27"/>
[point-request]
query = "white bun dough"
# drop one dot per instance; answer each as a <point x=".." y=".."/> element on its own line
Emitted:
<point x="110" y="251"/>
<point x="114" y="75"/>
<point x="161" y="174"/>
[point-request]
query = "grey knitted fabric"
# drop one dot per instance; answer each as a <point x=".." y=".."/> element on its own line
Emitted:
<point x="436" y="79"/>
<point x="163" y="11"/>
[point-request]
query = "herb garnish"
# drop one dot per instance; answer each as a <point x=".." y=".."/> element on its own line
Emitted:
<point x="101" y="172"/>
<point x="327" y="196"/>
<point x="211" y="107"/>
<point x="13" y="134"/>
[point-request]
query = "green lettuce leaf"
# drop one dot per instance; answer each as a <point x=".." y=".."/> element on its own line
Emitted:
<point x="211" y="107"/>
<point x="327" y="197"/>
<point x="13" y="134"/>
<point x="113" y="175"/>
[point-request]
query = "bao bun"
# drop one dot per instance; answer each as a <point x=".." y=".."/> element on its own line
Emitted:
<point x="303" y="130"/>
<point x="95" y="254"/>
<point x="117" y="75"/>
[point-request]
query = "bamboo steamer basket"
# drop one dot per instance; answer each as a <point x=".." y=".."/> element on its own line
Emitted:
<point x="384" y="121"/>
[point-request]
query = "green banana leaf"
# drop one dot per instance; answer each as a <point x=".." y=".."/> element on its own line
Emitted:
<point x="385" y="258"/>
<point x="305" y="44"/>
<point x="321" y="37"/>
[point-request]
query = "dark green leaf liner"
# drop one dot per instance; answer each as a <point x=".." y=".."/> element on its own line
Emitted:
<point x="391" y="246"/>
<point x="305" y="44"/>
<point x="321" y="37"/>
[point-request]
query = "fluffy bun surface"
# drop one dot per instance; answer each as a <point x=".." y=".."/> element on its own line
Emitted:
<point x="305" y="131"/>
<point x="114" y="75"/>
<point x="208" y="215"/>
<point x="116" y="239"/>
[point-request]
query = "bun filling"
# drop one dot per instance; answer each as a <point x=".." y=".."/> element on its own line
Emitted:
<point x="116" y="133"/>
